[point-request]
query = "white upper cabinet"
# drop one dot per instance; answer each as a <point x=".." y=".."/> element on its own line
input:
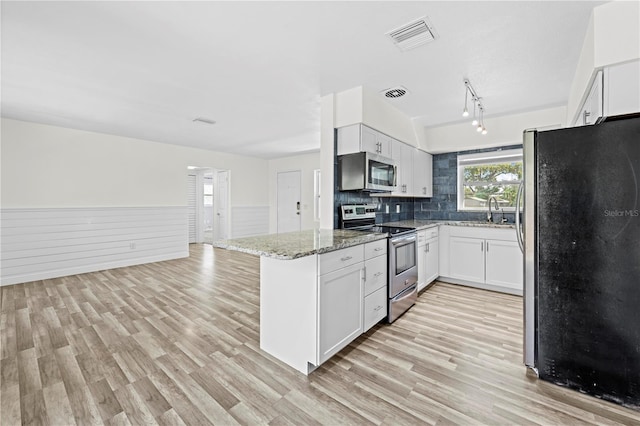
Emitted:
<point x="622" y="89"/>
<point x="360" y="138"/>
<point x="403" y="156"/>
<point x="415" y="171"/>
<point x="414" y="167"/>
<point x="615" y="90"/>
<point x="592" y="107"/>
<point x="422" y="174"/>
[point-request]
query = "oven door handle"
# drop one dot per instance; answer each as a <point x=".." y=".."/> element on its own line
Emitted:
<point x="403" y="240"/>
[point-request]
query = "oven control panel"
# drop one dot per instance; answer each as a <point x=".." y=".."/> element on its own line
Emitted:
<point x="358" y="211"/>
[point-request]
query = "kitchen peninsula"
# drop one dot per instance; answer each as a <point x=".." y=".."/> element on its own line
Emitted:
<point x="320" y="289"/>
<point x="312" y="301"/>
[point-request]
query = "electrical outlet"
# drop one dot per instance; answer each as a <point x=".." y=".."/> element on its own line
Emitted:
<point x="386" y="208"/>
<point x="397" y="208"/>
<point x="132" y="245"/>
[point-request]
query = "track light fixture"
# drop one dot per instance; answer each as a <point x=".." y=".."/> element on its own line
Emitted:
<point x="465" y="112"/>
<point x="478" y="119"/>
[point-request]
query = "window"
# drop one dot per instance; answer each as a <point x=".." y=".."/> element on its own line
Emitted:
<point x="208" y="191"/>
<point x="487" y="174"/>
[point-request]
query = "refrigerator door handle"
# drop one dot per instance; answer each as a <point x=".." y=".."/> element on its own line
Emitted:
<point x="519" y="233"/>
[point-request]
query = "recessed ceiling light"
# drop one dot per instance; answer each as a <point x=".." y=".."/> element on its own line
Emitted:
<point x="204" y="120"/>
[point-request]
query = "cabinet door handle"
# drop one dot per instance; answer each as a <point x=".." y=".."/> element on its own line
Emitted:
<point x="377" y="308"/>
<point x="481" y="245"/>
<point x="487" y="245"/>
<point x="344" y="259"/>
<point x="377" y="274"/>
<point x="428" y="248"/>
<point x="378" y="249"/>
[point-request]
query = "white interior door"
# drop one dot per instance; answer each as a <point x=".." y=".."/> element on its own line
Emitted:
<point x="192" y="207"/>
<point x="207" y="200"/>
<point x="288" y="194"/>
<point x="221" y="205"/>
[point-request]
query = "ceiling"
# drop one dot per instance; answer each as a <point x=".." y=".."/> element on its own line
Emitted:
<point x="147" y="69"/>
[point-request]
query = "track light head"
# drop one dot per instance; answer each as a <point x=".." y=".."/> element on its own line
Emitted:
<point x="465" y="112"/>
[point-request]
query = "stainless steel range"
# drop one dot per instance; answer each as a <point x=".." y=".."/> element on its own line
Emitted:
<point x="402" y="254"/>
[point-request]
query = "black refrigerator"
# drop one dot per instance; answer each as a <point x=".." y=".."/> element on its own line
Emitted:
<point x="580" y="235"/>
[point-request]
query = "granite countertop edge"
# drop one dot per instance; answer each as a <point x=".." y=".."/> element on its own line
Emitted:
<point x="262" y="245"/>
<point x="294" y="253"/>
<point x="426" y="224"/>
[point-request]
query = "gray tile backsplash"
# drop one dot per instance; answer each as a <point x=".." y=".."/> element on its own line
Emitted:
<point x="444" y="203"/>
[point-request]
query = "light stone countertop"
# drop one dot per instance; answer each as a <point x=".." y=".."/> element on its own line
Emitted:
<point x="424" y="224"/>
<point x="292" y="245"/>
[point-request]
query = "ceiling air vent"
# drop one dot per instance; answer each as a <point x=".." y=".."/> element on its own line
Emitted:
<point x="413" y="34"/>
<point x="395" y="92"/>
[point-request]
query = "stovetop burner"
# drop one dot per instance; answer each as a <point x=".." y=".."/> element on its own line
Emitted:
<point x="362" y="217"/>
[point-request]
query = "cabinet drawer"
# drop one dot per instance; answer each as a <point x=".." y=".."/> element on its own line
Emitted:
<point x="375" y="308"/>
<point x="422" y="237"/>
<point x="335" y="260"/>
<point x="431" y="233"/>
<point x="375" y="274"/>
<point x="376" y="248"/>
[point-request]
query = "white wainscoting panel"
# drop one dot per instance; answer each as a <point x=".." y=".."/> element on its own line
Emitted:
<point x="54" y="242"/>
<point x="247" y="221"/>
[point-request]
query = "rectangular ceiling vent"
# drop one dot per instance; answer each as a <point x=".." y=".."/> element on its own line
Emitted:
<point x="413" y="34"/>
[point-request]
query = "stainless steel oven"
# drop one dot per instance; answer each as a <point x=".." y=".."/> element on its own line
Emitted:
<point x="403" y="273"/>
<point x="402" y="254"/>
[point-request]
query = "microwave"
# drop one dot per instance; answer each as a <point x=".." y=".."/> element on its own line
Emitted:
<point x="366" y="171"/>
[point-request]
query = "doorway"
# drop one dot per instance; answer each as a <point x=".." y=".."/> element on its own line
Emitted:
<point x="207" y="204"/>
<point x="221" y="205"/>
<point x="288" y="204"/>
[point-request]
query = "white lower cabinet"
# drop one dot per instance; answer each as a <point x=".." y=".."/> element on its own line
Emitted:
<point x="340" y="309"/>
<point x="312" y="307"/>
<point x="375" y="307"/>
<point x="428" y="257"/>
<point x="503" y="264"/>
<point x="483" y="257"/>
<point x="466" y="258"/>
<point x="375" y="274"/>
<point x="375" y="283"/>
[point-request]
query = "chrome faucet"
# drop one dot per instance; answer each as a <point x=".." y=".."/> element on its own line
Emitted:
<point x="497" y="206"/>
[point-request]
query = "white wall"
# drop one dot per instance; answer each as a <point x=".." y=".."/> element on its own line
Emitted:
<point x="75" y="201"/>
<point x="613" y="37"/>
<point x="504" y="130"/>
<point x="381" y="115"/>
<point x="362" y="105"/>
<point x="49" y="166"/>
<point x="327" y="125"/>
<point x="306" y="164"/>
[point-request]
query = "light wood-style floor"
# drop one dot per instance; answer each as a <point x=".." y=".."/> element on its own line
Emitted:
<point x="178" y="343"/>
